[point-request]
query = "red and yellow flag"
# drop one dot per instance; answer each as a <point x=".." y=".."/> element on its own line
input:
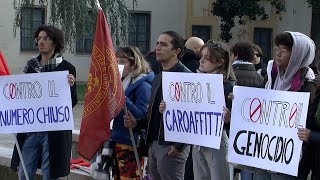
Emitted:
<point x="4" y="70"/>
<point x="104" y="98"/>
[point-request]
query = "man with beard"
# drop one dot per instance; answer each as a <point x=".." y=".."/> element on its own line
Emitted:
<point x="166" y="159"/>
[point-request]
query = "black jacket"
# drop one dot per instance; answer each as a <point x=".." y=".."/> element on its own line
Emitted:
<point x="310" y="160"/>
<point x="146" y="121"/>
<point x="60" y="142"/>
<point x="261" y="68"/>
<point x="247" y="75"/>
<point x="156" y="67"/>
<point x="190" y="60"/>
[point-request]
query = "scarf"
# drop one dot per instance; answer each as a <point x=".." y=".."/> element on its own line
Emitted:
<point x="34" y="64"/>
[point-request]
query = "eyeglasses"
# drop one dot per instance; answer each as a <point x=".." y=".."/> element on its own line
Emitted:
<point x="280" y="50"/>
<point x="45" y="38"/>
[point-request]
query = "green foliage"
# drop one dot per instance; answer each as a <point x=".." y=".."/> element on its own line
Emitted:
<point x="315" y="4"/>
<point x="228" y="10"/>
<point x="73" y="16"/>
<point x="81" y="91"/>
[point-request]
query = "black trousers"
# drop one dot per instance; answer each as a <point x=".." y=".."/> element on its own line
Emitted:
<point x="188" y="175"/>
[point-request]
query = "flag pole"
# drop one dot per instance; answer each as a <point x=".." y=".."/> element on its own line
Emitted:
<point x="21" y="159"/>
<point x="135" y="150"/>
<point x="98" y="4"/>
<point x="130" y="129"/>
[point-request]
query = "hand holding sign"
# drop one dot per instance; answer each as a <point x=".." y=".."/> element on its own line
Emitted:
<point x="162" y="107"/>
<point x="226" y="115"/>
<point x="304" y="134"/>
<point x="71" y="79"/>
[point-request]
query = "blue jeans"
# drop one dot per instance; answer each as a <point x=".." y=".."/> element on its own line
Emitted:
<point x="36" y="144"/>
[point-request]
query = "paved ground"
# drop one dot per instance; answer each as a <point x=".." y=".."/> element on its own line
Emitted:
<point x="8" y="139"/>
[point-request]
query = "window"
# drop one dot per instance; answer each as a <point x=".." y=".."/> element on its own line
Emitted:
<point x="263" y="38"/>
<point x="139" y="31"/>
<point x="203" y="32"/>
<point x="84" y="42"/>
<point x="31" y="19"/>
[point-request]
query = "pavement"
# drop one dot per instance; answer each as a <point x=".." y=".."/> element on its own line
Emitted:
<point x="7" y="140"/>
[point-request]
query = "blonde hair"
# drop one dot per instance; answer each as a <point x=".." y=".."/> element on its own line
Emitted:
<point x="137" y="61"/>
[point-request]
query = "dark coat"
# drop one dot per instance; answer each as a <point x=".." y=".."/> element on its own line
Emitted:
<point x="137" y="101"/>
<point x="261" y="68"/>
<point x="60" y="142"/>
<point x="310" y="160"/>
<point x="247" y="75"/>
<point x="190" y="60"/>
<point x="156" y="67"/>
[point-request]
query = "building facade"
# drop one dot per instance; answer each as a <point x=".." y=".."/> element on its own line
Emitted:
<point x="201" y="22"/>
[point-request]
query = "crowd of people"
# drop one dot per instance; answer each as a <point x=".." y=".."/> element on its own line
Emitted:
<point x="240" y="65"/>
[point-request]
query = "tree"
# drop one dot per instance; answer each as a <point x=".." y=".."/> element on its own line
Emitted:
<point x="73" y="15"/>
<point x="228" y="10"/>
<point x="315" y="5"/>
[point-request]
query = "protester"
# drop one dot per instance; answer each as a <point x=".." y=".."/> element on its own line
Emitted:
<point x="261" y="68"/>
<point x="290" y="72"/>
<point x="191" y="57"/>
<point x="243" y="66"/>
<point x="166" y="159"/>
<point x="209" y="163"/>
<point x="52" y="149"/>
<point x="304" y="48"/>
<point x="246" y="75"/>
<point x="136" y="82"/>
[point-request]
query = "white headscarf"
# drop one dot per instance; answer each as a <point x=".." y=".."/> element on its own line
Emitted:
<point x="302" y="55"/>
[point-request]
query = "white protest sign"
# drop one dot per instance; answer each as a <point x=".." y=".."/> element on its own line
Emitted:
<point x="35" y="102"/>
<point x="264" y="126"/>
<point x="120" y="67"/>
<point x="194" y="108"/>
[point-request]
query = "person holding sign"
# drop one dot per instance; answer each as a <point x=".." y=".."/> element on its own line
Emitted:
<point x="136" y="82"/>
<point x="166" y="160"/>
<point x="290" y="72"/>
<point x="52" y="149"/>
<point x="209" y="163"/>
